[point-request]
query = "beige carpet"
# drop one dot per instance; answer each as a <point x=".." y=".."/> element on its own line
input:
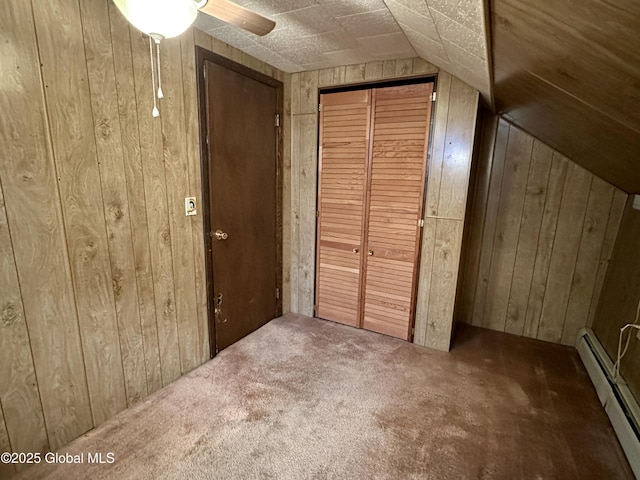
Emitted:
<point x="305" y="398"/>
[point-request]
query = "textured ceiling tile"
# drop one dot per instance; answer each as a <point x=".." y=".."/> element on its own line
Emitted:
<point x="460" y="55"/>
<point x="394" y="45"/>
<point x="423" y="44"/>
<point x="233" y="36"/>
<point x="414" y="20"/>
<point x="272" y="58"/>
<point x="457" y="33"/>
<point x="313" y="18"/>
<point x="340" y="8"/>
<point x="206" y="22"/>
<point x="348" y="57"/>
<point x="418" y="6"/>
<point x="274" y="7"/>
<point x="467" y="12"/>
<point x="369" y="24"/>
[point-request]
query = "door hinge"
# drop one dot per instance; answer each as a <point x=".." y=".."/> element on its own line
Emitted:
<point x="317" y="213"/>
<point x="277" y="119"/>
<point x="319" y="107"/>
<point x="433" y="97"/>
<point x="421" y="222"/>
<point x="277" y="293"/>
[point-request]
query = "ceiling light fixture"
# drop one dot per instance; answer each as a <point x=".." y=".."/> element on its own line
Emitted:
<point x="162" y="19"/>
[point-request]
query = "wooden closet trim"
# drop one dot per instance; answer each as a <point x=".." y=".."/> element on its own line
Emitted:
<point x="418" y="249"/>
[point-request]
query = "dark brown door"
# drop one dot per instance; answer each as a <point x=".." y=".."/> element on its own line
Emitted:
<point x="242" y="174"/>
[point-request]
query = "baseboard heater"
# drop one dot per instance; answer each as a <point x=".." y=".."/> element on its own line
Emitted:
<point x="616" y="398"/>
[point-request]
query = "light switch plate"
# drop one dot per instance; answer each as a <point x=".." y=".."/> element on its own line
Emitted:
<point x="190" y="206"/>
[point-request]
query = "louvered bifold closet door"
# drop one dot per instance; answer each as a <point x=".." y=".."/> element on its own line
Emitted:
<point x="401" y="117"/>
<point x="343" y="152"/>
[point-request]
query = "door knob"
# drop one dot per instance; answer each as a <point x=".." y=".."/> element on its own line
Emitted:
<point x="355" y="250"/>
<point x="370" y="252"/>
<point x="220" y="235"/>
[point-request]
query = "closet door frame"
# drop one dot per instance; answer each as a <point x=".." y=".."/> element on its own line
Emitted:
<point x="433" y="79"/>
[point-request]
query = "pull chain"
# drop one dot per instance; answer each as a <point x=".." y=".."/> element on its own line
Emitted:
<point x="160" y="94"/>
<point x="155" y="112"/>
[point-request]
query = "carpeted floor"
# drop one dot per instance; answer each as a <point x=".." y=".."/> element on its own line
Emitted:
<point x="305" y="398"/>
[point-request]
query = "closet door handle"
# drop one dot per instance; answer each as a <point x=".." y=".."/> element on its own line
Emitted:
<point x="355" y="250"/>
<point x="370" y="253"/>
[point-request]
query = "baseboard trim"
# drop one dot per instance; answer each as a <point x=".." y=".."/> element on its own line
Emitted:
<point x="616" y="398"/>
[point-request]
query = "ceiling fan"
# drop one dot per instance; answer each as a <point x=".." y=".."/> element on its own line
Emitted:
<point x="162" y="19"/>
<point x="169" y="18"/>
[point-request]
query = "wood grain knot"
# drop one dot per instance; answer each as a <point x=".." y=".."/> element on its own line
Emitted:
<point x="116" y="280"/>
<point x="117" y="213"/>
<point x="166" y="238"/>
<point x="10" y="315"/>
<point x="168" y="306"/>
<point x="104" y="128"/>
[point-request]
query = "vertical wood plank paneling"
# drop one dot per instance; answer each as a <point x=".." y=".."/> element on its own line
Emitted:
<point x="438" y="143"/>
<point x="420" y="66"/>
<point x="424" y="280"/>
<point x="308" y="93"/>
<point x="564" y="253"/>
<point x="192" y="132"/>
<point x="615" y="216"/>
<point x="555" y="280"/>
<point x="339" y="75"/>
<point x="404" y="67"/>
<point x="444" y="279"/>
<point x="178" y="187"/>
<point x="620" y="296"/>
<point x="584" y="277"/>
<point x="535" y="196"/>
<point x="29" y="185"/>
<point x="354" y="73"/>
<point x="286" y="198"/>
<point x="555" y="188"/>
<point x="388" y="69"/>
<point x="490" y="219"/>
<point x="127" y="109"/>
<point x="6" y="469"/>
<point x="106" y="121"/>
<point x="512" y="193"/>
<point x="476" y="212"/>
<point x="19" y="397"/>
<point x="373" y="70"/>
<point x="325" y="77"/>
<point x="296" y="132"/>
<point x="59" y="29"/>
<point x="308" y="174"/>
<point x="202" y="39"/>
<point x="151" y="151"/>
<point x="456" y="162"/>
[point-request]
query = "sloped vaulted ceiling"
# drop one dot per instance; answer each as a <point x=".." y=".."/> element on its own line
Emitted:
<point x="314" y="34"/>
<point x="566" y="71"/>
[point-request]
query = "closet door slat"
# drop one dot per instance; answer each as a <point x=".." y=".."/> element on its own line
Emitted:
<point x="400" y="118"/>
<point x="343" y="153"/>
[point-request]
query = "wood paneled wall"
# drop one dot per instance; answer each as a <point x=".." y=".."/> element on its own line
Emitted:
<point x="447" y="184"/>
<point x="102" y="284"/>
<point x="540" y="235"/>
<point x="620" y="296"/>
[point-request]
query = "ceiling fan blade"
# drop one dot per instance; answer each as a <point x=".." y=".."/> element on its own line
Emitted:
<point x="239" y="16"/>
